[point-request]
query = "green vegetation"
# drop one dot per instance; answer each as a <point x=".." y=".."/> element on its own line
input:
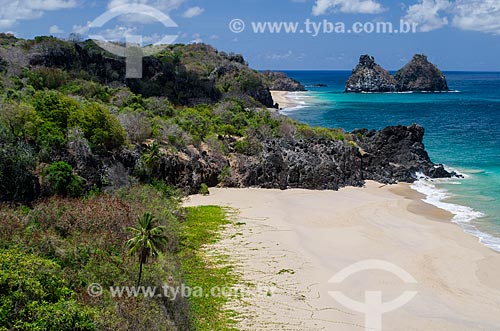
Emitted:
<point x="202" y="227"/>
<point x="84" y="240"/>
<point x="17" y="163"/>
<point x="60" y="179"/>
<point x="36" y="297"/>
<point x="51" y="253"/>
<point x="204" y="189"/>
<point x="83" y="156"/>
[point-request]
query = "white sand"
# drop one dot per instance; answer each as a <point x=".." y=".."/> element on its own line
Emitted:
<point x="281" y="98"/>
<point x="315" y="234"/>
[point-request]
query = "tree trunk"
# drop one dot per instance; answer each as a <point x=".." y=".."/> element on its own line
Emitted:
<point x="141" y="262"/>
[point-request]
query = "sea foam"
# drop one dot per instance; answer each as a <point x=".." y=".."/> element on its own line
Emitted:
<point x="463" y="215"/>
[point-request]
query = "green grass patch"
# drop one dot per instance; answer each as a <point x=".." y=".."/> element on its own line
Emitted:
<point x="202" y="227"/>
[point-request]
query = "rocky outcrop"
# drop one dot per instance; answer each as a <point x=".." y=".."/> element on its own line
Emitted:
<point x="370" y="77"/>
<point x="279" y="81"/>
<point x="417" y="76"/>
<point x="420" y="75"/>
<point x="394" y="154"/>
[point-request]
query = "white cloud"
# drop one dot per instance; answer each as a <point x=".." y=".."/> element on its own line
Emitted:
<point x="193" y="12"/>
<point x="197" y="39"/>
<point x="477" y="15"/>
<point x="117" y="33"/>
<point x="81" y="29"/>
<point x="54" y="29"/>
<point x="163" y="5"/>
<point x="279" y="56"/>
<point x="13" y="11"/>
<point x="322" y="7"/>
<point x="469" y="15"/>
<point x="428" y="14"/>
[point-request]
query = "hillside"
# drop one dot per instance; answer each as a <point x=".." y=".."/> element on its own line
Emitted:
<point x="85" y="154"/>
<point x="197" y="117"/>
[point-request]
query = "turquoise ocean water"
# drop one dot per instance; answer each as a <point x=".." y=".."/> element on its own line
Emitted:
<point x="462" y="132"/>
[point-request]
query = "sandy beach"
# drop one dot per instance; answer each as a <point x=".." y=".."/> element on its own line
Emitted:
<point x="293" y="242"/>
<point x="280" y="97"/>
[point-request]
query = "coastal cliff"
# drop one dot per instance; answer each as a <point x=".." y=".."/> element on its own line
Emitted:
<point x="419" y="75"/>
<point x="394" y="154"/>
<point x="279" y="81"/>
<point x="197" y="117"/>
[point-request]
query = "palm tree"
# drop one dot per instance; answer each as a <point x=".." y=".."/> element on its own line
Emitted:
<point x="152" y="158"/>
<point x="147" y="241"/>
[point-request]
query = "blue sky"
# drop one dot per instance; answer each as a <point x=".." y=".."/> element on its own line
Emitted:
<point x="455" y="34"/>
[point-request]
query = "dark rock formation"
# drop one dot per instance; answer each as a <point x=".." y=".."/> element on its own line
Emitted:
<point x="370" y="77"/>
<point x="279" y="81"/>
<point x="417" y="76"/>
<point x="420" y="75"/>
<point x="394" y="154"/>
<point x="310" y="164"/>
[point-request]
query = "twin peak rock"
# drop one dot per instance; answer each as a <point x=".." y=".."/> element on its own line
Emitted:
<point x="419" y="75"/>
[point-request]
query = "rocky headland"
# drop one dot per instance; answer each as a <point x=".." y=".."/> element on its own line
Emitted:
<point x="279" y="81"/>
<point x="199" y="116"/>
<point x="394" y="154"/>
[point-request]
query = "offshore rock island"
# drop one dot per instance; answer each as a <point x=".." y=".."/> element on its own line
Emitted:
<point x="370" y="77"/>
<point x="419" y="75"/>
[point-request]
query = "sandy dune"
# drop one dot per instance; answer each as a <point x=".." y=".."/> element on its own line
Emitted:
<point x="297" y="240"/>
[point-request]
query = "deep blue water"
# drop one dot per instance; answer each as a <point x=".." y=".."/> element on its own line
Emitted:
<point x="462" y="132"/>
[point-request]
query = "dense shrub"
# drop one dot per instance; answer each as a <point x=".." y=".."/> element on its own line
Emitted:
<point x="137" y="125"/>
<point x="58" y="178"/>
<point x="196" y="121"/>
<point x="157" y="106"/>
<point x="55" y="107"/>
<point x="50" y="78"/>
<point x="88" y="90"/>
<point x="101" y="128"/>
<point x="247" y="147"/>
<point x="58" y="113"/>
<point x="306" y="131"/>
<point x="17" y="163"/>
<point x="35" y="297"/>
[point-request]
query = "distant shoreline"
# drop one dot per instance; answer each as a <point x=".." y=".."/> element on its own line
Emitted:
<point x="283" y="100"/>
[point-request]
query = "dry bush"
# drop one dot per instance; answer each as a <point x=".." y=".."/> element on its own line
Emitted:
<point x="287" y="129"/>
<point x="78" y="145"/>
<point x="137" y="126"/>
<point x="105" y="216"/>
